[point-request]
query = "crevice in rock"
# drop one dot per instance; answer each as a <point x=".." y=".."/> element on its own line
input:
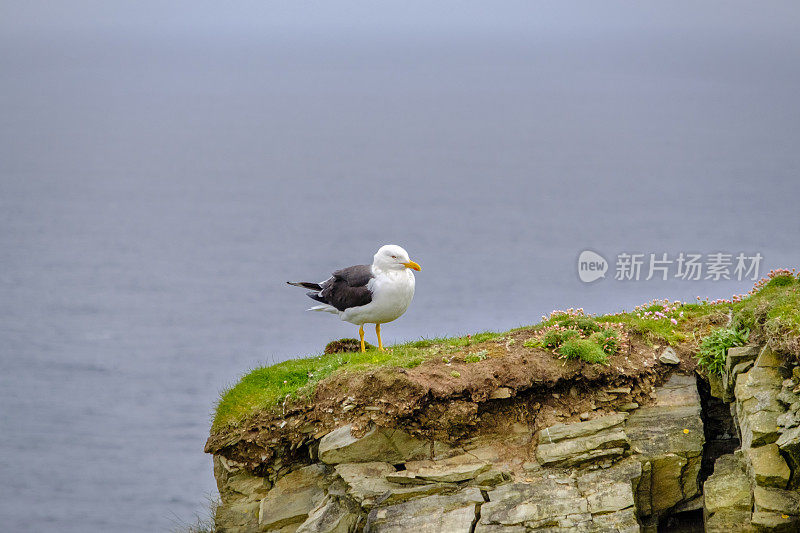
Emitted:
<point x="718" y="426"/>
<point x="477" y="515"/>
<point x="683" y="522"/>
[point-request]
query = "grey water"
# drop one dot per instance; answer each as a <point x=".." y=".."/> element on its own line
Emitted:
<point x="165" y="169"/>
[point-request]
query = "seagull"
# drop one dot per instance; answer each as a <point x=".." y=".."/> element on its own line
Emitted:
<point x="367" y="294"/>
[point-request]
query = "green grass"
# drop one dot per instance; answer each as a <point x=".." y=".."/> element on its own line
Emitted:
<point x="268" y="386"/>
<point x="584" y="349"/>
<point x="771" y="313"/>
<point x="714" y="348"/>
<point x="688" y="321"/>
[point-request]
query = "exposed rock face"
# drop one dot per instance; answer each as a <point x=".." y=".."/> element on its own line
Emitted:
<point x="576" y="444"/>
<point x="669" y="437"/>
<point x="767" y="466"/>
<point x="593" y="501"/>
<point x="757" y="406"/>
<point x="727" y="499"/>
<point x="610" y="472"/>
<point x="751" y="490"/>
<point x="241" y="493"/>
<point x="331" y="516"/>
<point x="739" y="360"/>
<point x="378" y="444"/>
<point x="455" y="512"/>
<point x="293" y="498"/>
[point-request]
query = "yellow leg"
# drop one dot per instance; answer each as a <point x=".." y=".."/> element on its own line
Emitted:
<point x="378" y="332"/>
<point x="361" y="333"/>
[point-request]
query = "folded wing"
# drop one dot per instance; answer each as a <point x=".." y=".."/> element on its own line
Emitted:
<point x="346" y="288"/>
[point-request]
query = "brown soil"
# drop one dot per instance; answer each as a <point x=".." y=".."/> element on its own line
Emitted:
<point x="431" y="402"/>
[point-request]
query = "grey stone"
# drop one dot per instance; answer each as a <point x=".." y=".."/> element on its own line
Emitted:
<point x="533" y="504"/>
<point x="767" y="467"/>
<point x="717" y="386"/>
<point x="240" y="516"/>
<point x="729" y="378"/>
<point x="366" y="482"/>
<point x="432" y="514"/>
<point x="408" y="492"/>
<point x="293" y="497"/>
<point x="739" y="354"/>
<point x="757" y="408"/>
<point x="623" y="521"/>
<point x="377" y="444"/>
<point x="738" y="360"/>
<point x="729" y="520"/>
<point x="789" y="444"/>
<point x="234" y="482"/>
<point x="404" y="477"/>
<point x="610" y="490"/>
<point x="499" y="528"/>
<point x="742" y="367"/>
<point x="787" y="396"/>
<point x="596" y="500"/>
<point x="728" y="487"/>
<point x="788" y="420"/>
<point x="582" y="442"/>
<point x="630" y="406"/>
<point x="330" y="517"/>
<point x="669" y="356"/>
<point x="453" y="473"/>
<point x="768" y="358"/>
<point x="775" y="522"/>
<point x="669" y="438"/>
<point x="561" y="432"/>
<point x="776" y="500"/>
<point x="490" y="478"/>
<point x="759" y="428"/>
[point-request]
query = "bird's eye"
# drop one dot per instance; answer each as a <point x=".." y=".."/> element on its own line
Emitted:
<point x="394" y="257"/>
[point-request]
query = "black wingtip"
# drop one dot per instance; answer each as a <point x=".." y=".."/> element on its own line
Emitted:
<point x="306" y="285"/>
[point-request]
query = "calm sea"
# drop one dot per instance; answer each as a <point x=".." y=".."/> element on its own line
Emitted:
<point x="157" y="189"/>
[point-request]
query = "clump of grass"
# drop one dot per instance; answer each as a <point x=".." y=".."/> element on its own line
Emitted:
<point x="570" y="334"/>
<point x="607" y="339"/>
<point x="771" y="311"/>
<point x="714" y="348"/>
<point x="554" y="338"/>
<point x="585" y="350"/>
<point x="203" y="523"/>
<point x="468" y="340"/>
<point x="477" y="356"/>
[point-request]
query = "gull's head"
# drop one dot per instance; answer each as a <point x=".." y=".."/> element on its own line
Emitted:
<point x="393" y="257"/>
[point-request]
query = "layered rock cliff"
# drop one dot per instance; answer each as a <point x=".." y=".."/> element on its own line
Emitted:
<point x="502" y="436"/>
<point x="630" y="470"/>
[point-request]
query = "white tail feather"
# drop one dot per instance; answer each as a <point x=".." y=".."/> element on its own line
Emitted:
<point x="324" y="307"/>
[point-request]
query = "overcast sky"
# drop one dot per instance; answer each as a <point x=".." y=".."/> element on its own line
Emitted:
<point x="441" y="17"/>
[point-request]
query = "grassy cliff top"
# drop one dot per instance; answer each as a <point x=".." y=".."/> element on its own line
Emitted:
<point x="770" y="313"/>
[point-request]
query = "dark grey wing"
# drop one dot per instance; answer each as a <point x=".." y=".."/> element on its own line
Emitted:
<point x="346" y="288"/>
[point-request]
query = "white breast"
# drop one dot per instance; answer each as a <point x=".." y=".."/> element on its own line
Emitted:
<point x="392" y="293"/>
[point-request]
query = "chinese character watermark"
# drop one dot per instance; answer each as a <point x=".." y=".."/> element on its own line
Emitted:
<point x="630" y="266"/>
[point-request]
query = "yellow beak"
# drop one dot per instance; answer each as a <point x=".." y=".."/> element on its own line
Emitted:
<point x="412" y="265"/>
